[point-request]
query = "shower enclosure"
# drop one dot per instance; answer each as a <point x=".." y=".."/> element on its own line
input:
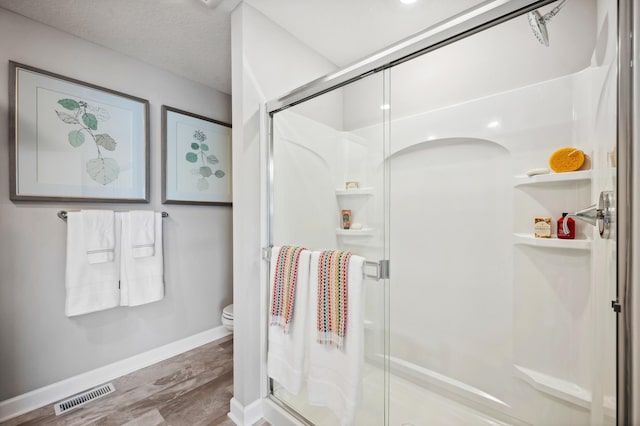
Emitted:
<point x="469" y="319"/>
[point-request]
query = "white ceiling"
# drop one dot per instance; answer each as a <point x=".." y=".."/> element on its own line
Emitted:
<point x="192" y="39"/>
<point x="345" y="31"/>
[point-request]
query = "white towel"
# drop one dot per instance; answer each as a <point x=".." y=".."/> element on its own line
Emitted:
<point x="335" y="375"/>
<point x="99" y="235"/>
<point x="89" y="287"/>
<point x="141" y="279"/>
<point x="286" y="354"/>
<point x="142" y="233"/>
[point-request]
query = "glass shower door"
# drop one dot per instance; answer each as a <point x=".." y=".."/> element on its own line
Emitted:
<point x="329" y="194"/>
<point x="440" y="165"/>
<point x="489" y="324"/>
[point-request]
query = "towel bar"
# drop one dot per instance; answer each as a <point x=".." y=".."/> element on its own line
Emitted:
<point x="381" y="266"/>
<point x="62" y="214"/>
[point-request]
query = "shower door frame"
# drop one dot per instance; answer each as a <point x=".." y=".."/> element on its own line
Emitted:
<point x="465" y="24"/>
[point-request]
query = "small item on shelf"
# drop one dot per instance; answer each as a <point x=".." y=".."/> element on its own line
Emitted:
<point x="352" y="184"/>
<point x="356" y="226"/>
<point x="567" y="159"/>
<point x="538" y="171"/>
<point x="346" y="219"/>
<point x="566" y="227"/>
<point x="542" y="227"/>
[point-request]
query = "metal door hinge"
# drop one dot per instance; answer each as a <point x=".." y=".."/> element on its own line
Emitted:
<point x="266" y="253"/>
<point x="615" y="305"/>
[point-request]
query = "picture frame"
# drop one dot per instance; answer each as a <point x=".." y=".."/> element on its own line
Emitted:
<point x="196" y="159"/>
<point x="70" y="140"/>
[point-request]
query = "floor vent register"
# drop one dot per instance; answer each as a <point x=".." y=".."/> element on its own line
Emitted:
<point x="81" y="399"/>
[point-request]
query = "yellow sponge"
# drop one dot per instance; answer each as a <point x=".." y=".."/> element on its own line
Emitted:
<point x="566" y="160"/>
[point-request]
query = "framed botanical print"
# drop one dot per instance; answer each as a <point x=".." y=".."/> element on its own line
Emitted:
<point x="196" y="157"/>
<point x="75" y="141"/>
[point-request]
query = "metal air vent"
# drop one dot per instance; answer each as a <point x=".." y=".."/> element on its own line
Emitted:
<point x="83" y="398"/>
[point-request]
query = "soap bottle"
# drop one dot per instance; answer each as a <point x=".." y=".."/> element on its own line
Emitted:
<point x="571" y="227"/>
<point x="346" y="218"/>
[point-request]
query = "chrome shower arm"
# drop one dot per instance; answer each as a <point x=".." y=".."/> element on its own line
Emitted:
<point x="549" y="15"/>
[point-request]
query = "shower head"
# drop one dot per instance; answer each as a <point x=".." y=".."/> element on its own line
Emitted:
<point x="538" y="23"/>
<point x="539" y="27"/>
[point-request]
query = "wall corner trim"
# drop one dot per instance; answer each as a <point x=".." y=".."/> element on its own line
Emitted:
<point x="56" y="391"/>
<point x="245" y="415"/>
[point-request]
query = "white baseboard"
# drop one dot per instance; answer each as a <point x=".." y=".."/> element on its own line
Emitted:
<point x="54" y="392"/>
<point x="245" y="415"/>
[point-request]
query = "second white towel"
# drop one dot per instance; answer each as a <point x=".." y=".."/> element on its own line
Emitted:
<point x="335" y="375"/>
<point x="141" y="278"/>
<point x="142" y="233"/>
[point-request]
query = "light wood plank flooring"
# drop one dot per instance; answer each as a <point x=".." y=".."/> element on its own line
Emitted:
<point x="191" y="389"/>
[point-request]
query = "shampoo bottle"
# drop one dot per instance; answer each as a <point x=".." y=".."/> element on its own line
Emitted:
<point x="566" y="227"/>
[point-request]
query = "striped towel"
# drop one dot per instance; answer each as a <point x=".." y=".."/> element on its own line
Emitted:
<point x="332" y="296"/>
<point x="284" y="286"/>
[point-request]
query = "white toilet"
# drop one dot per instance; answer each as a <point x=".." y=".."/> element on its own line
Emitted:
<point x="227" y="317"/>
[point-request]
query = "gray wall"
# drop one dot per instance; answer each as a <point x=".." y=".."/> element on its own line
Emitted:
<point x="38" y="344"/>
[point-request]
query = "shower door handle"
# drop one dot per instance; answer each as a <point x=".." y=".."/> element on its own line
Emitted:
<point x="381" y="269"/>
<point x="601" y="215"/>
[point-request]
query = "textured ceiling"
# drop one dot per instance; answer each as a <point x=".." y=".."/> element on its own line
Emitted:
<point x="185" y="37"/>
<point x="192" y="39"/>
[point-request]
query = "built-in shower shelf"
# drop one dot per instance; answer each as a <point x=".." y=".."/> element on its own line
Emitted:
<point x="562" y="389"/>
<point x="364" y="232"/>
<point x="355" y="192"/>
<point x="530" y="240"/>
<point x="581" y="175"/>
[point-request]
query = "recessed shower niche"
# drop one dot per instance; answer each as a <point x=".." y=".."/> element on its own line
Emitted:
<point x="355" y="200"/>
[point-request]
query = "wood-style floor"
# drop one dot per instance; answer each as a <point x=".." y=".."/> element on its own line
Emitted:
<point x="191" y="389"/>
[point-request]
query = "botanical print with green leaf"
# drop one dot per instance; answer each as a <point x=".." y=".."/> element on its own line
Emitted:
<point x="84" y="119"/>
<point x="200" y="156"/>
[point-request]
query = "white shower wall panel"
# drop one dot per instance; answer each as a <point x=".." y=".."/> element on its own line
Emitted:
<point x="604" y="252"/>
<point x="502" y="58"/>
<point x="312" y="163"/>
<point x="308" y="165"/>
<point x="528" y="121"/>
<point x="467" y="302"/>
<point x="451" y="256"/>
